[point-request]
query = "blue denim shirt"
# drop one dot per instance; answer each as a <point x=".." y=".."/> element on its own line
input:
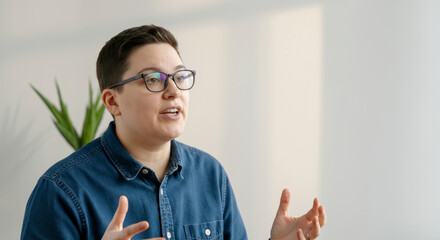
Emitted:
<point x="78" y="196"/>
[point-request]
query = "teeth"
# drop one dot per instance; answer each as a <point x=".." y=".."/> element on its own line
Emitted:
<point x="172" y="110"/>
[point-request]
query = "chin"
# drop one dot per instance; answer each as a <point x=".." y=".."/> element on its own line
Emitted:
<point x="173" y="133"/>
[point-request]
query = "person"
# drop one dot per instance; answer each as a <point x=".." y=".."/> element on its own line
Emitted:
<point x="175" y="191"/>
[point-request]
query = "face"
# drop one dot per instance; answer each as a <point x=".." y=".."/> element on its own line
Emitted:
<point x="144" y="116"/>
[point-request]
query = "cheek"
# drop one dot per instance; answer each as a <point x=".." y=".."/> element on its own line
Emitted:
<point x="142" y="108"/>
<point x="147" y="109"/>
<point x="185" y="99"/>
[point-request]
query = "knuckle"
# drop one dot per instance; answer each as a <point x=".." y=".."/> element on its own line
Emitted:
<point x="125" y="234"/>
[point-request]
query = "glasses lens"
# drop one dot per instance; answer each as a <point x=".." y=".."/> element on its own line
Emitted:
<point x="155" y="81"/>
<point x="184" y="79"/>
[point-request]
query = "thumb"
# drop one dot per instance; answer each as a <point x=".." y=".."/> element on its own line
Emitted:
<point x="283" y="209"/>
<point x="300" y="234"/>
<point x="119" y="217"/>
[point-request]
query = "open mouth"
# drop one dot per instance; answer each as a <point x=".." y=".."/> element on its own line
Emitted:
<point x="171" y="111"/>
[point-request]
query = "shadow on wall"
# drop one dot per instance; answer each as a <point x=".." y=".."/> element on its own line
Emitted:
<point x="16" y="147"/>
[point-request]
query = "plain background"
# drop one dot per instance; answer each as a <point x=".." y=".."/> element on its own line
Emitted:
<point x="334" y="99"/>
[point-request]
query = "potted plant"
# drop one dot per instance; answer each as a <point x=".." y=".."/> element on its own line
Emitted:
<point x="92" y="119"/>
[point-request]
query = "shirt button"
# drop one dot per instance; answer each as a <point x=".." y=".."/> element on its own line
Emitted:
<point x="161" y="191"/>
<point x="145" y="171"/>
<point x="168" y="235"/>
<point x="207" y="232"/>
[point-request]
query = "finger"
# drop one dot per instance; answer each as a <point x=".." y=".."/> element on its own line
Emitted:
<point x="300" y="234"/>
<point x="313" y="212"/>
<point x="316" y="230"/>
<point x="321" y="216"/>
<point x="283" y="209"/>
<point x="118" y="218"/>
<point x="315" y="205"/>
<point x="134" y="229"/>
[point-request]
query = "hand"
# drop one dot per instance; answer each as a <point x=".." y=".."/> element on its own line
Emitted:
<point x="301" y="235"/>
<point x="115" y="230"/>
<point x="285" y="227"/>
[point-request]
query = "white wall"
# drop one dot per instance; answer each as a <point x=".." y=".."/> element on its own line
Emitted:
<point x="381" y="119"/>
<point x="335" y="99"/>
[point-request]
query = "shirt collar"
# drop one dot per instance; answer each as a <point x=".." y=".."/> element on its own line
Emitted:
<point x="176" y="163"/>
<point x="125" y="163"/>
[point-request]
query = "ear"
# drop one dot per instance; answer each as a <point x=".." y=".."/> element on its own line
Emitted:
<point x="109" y="98"/>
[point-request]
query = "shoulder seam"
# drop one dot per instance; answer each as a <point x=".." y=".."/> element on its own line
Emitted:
<point x="193" y="149"/>
<point x="72" y="198"/>
<point x="73" y="162"/>
<point x="223" y="193"/>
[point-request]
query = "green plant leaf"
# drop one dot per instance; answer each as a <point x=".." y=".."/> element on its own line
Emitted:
<point x="55" y="112"/>
<point x="98" y="113"/>
<point x="69" y="136"/>
<point x="67" y="123"/>
<point x="90" y="94"/>
<point x="86" y="132"/>
<point x="98" y="97"/>
<point x="92" y="119"/>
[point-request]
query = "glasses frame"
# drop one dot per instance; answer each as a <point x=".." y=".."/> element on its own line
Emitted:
<point x="143" y="75"/>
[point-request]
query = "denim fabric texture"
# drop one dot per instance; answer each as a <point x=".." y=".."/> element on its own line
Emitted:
<point x="78" y="196"/>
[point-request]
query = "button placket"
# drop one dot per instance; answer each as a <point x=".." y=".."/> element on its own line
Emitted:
<point x="165" y="211"/>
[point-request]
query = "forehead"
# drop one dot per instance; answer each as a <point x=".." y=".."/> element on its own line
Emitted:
<point x="160" y="56"/>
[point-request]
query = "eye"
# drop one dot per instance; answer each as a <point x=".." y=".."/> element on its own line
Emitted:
<point x="183" y="76"/>
<point x="152" y="80"/>
<point x="180" y="78"/>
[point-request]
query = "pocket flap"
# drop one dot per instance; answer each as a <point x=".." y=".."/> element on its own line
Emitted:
<point x="209" y="230"/>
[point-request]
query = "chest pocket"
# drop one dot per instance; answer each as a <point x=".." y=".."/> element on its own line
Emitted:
<point x="203" y="231"/>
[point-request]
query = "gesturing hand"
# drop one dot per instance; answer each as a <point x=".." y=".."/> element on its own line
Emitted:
<point x="116" y="231"/>
<point x="290" y="228"/>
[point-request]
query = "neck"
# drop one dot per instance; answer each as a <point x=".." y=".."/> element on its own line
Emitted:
<point x="153" y="155"/>
<point x="156" y="158"/>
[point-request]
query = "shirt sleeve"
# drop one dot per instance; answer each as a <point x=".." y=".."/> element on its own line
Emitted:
<point x="51" y="213"/>
<point x="233" y="224"/>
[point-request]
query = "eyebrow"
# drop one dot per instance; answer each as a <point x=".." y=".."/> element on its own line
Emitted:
<point x="158" y="69"/>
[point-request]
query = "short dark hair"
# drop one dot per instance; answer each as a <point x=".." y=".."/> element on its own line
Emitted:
<point x="112" y="60"/>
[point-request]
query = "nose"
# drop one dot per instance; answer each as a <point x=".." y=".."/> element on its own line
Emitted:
<point x="171" y="91"/>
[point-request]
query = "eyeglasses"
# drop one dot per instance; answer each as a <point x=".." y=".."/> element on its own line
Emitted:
<point x="158" y="81"/>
